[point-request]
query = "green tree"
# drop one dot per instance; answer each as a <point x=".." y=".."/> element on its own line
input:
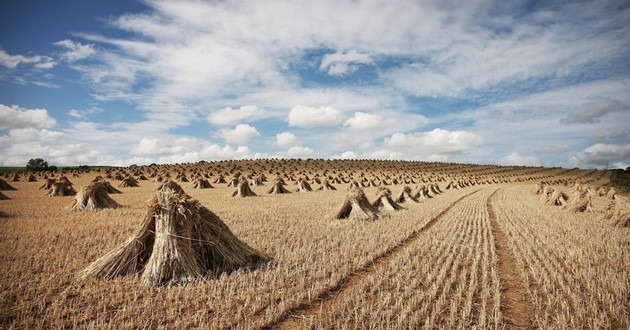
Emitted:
<point x="37" y="164"/>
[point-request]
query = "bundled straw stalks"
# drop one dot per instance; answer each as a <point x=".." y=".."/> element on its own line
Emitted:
<point x="93" y="196"/>
<point x="61" y="188"/>
<point x="6" y="186"/>
<point x="179" y="241"/>
<point x="383" y="200"/>
<point x="357" y="206"/>
<point x="243" y="189"/>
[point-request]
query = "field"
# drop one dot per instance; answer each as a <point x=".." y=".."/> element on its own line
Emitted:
<point x="488" y="253"/>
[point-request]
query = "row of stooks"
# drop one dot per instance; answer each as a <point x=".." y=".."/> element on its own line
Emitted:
<point x="617" y="211"/>
<point x="182" y="241"/>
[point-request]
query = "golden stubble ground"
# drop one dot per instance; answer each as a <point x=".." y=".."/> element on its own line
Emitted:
<point x="447" y="277"/>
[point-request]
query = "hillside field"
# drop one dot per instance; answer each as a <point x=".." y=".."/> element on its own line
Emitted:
<point x="488" y="248"/>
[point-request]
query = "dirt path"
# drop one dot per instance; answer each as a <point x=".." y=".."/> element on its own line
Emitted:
<point x="516" y="310"/>
<point x="291" y="318"/>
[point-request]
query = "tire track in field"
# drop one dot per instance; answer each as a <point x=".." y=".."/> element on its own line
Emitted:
<point x="321" y="303"/>
<point x="516" y="310"/>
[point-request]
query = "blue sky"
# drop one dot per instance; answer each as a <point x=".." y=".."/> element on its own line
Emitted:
<point x="491" y="82"/>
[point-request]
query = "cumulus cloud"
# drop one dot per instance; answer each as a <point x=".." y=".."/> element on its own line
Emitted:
<point x="13" y="61"/>
<point x="208" y="152"/>
<point x="83" y="114"/>
<point x="516" y="159"/>
<point x="286" y="140"/>
<point x="186" y="149"/>
<point x="341" y="63"/>
<point x="74" y="50"/>
<point x="592" y="111"/>
<point x="438" y="141"/>
<point x="362" y="121"/>
<point x="601" y="154"/>
<point x="159" y="147"/>
<point x="17" y="117"/>
<point x="307" y="117"/>
<point x="20" y="135"/>
<point x="300" y="152"/>
<point x="348" y="155"/>
<point x="230" y="116"/>
<point x="240" y="134"/>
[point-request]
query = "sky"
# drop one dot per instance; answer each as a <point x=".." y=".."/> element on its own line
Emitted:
<point x="535" y="83"/>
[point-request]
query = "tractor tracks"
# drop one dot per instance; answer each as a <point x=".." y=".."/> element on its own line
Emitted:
<point x="324" y="301"/>
<point x="516" y="310"/>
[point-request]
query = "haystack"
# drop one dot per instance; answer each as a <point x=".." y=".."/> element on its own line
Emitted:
<point x="434" y="189"/>
<point x="327" y="186"/>
<point x="617" y="213"/>
<point x="61" y="189"/>
<point x="31" y="178"/>
<point x="405" y="196"/>
<point x="303" y="185"/>
<point x="109" y="187"/>
<point x="357" y="206"/>
<point x="202" y="183"/>
<point x="3" y="197"/>
<point x="219" y="179"/>
<point x="179" y="241"/>
<point x="94" y="196"/>
<point x="557" y="198"/>
<point x="582" y="204"/>
<point x="48" y="184"/>
<point x="6" y="186"/>
<point x="452" y="185"/>
<point x="383" y="200"/>
<point x="422" y="193"/>
<point x="65" y="179"/>
<point x="539" y="188"/>
<point x="128" y="182"/>
<point x="278" y="188"/>
<point x="234" y="182"/>
<point x="546" y="192"/>
<point x="243" y="189"/>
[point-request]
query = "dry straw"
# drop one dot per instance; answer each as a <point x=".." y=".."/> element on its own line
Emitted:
<point x="357" y="206"/>
<point x="94" y="196"/>
<point x="179" y="241"/>
<point x="6" y="186"/>
<point x="383" y="200"/>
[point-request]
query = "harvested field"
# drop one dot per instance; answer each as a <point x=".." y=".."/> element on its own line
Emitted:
<point x="486" y="253"/>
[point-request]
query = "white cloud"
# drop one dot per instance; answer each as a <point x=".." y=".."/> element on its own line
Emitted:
<point x="437" y="141"/>
<point x="74" y="50"/>
<point x="229" y="116"/>
<point x="13" y="61"/>
<point x="286" y="140"/>
<point x="160" y="147"/>
<point x="307" y="117"/>
<point x="601" y="154"/>
<point x="341" y="63"/>
<point x="362" y="121"/>
<point x="349" y="155"/>
<point x="20" y="135"/>
<point x="240" y="134"/>
<point x="186" y="149"/>
<point x="16" y="117"/>
<point x="300" y="152"/>
<point x="516" y="159"/>
<point x="83" y="114"/>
